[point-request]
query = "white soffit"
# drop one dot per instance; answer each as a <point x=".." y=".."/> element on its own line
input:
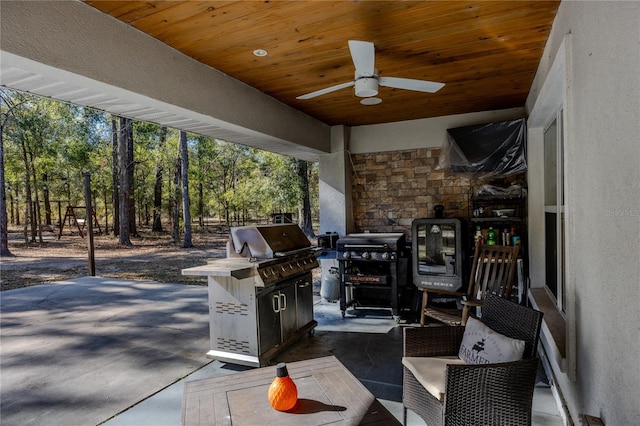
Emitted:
<point x="29" y="76"/>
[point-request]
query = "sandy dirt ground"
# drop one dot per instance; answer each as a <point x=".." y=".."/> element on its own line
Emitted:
<point x="152" y="256"/>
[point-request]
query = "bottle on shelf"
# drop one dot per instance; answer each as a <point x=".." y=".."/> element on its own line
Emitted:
<point x="506" y="237"/>
<point x="491" y="236"/>
<point x="515" y="239"/>
<point x="478" y="235"/>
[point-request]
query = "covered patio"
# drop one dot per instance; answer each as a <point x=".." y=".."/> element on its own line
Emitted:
<point x="117" y="352"/>
<point x="585" y="77"/>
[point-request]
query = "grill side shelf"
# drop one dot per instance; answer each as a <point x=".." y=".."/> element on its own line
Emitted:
<point x="237" y="268"/>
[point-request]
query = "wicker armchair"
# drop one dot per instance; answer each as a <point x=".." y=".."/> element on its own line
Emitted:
<point x="485" y="394"/>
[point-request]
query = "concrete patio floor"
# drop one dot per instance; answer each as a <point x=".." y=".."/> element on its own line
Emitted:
<point x="117" y="352"/>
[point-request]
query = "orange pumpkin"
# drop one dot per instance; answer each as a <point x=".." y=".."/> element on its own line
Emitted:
<point x="283" y="393"/>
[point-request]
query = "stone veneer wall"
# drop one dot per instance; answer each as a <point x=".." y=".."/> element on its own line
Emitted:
<point x="391" y="189"/>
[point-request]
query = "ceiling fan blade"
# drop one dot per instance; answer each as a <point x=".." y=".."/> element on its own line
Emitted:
<point x="326" y="90"/>
<point x="411" y="84"/>
<point x="363" y="55"/>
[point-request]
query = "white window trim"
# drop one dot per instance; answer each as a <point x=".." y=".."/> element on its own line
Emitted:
<point x="554" y="97"/>
<point x="558" y="209"/>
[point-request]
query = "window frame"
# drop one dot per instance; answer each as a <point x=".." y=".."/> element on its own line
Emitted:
<point x="557" y="208"/>
<point x="558" y="337"/>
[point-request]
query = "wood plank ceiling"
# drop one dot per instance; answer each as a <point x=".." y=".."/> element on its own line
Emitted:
<point x="486" y="52"/>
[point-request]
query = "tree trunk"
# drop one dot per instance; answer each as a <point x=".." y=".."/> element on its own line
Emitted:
<point x="201" y="205"/>
<point x="16" y="194"/>
<point x="227" y="215"/>
<point x="37" y="217"/>
<point x="133" y="230"/>
<point x="303" y="179"/>
<point x="115" y="175"/>
<point x="139" y="203"/>
<point x="106" y="212"/>
<point x="157" y="189"/>
<point x="4" y="225"/>
<point x="125" y="186"/>
<point x="175" y="213"/>
<point x="47" y="199"/>
<point x="25" y="222"/>
<point x="186" y="201"/>
<point x="14" y="216"/>
<point x="27" y="190"/>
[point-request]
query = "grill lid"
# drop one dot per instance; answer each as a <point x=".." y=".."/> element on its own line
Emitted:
<point x="394" y="241"/>
<point x="268" y="241"/>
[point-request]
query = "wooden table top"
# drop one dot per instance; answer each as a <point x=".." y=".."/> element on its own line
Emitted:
<point x="327" y="394"/>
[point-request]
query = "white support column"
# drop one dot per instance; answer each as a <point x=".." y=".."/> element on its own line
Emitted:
<point x="335" y="185"/>
<point x="336" y="213"/>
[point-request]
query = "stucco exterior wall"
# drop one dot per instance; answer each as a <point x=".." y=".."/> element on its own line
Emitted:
<point x="418" y="134"/>
<point x="603" y="203"/>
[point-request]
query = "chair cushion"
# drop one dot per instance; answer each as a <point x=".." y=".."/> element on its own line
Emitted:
<point x="431" y="372"/>
<point x="482" y="345"/>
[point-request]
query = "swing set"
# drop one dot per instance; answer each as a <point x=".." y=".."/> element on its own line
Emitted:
<point x="72" y="219"/>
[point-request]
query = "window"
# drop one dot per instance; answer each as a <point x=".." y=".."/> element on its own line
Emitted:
<point x="552" y="283"/>
<point x="554" y="210"/>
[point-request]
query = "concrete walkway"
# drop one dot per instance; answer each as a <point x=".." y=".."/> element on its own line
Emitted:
<point x="78" y="352"/>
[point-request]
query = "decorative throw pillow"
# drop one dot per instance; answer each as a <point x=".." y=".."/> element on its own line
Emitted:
<point x="482" y="345"/>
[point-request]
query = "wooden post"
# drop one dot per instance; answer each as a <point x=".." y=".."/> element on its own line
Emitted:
<point x="59" y="216"/>
<point x="89" y="222"/>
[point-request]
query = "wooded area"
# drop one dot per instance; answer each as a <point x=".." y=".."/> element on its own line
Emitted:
<point x="142" y="175"/>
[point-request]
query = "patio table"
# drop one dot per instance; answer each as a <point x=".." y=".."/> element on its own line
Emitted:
<point x="327" y="394"/>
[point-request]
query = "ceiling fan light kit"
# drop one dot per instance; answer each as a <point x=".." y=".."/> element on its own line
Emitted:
<point x="370" y="101"/>
<point x="366" y="79"/>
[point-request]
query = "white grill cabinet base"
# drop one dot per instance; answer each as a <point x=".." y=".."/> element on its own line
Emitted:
<point x="249" y="323"/>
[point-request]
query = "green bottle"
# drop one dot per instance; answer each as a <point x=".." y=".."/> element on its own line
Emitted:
<point x="492" y="236"/>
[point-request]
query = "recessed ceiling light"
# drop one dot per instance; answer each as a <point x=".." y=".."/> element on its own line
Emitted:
<point x="371" y="101"/>
<point x="260" y="52"/>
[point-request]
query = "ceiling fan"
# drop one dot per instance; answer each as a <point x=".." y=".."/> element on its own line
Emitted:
<point x="366" y="80"/>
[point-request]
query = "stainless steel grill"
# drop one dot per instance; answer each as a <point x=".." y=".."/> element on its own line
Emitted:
<point x="278" y="252"/>
<point x="261" y="295"/>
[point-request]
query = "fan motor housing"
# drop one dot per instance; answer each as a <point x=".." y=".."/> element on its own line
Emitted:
<point x="366" y="87"/>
